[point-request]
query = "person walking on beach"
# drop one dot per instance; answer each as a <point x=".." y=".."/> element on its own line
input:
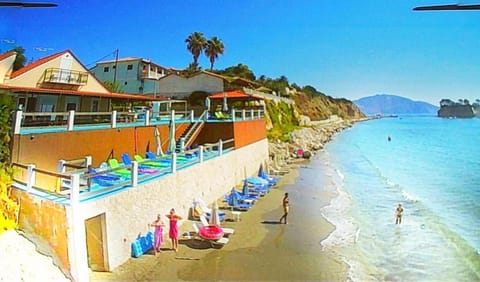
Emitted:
<point x="158" y="235"/>
<point x="173" y="233"/>
<point x="286" y="207"/>
<point x="398" y="214"/>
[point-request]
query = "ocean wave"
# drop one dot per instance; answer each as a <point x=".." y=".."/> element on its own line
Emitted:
<point x="410" y="197"/>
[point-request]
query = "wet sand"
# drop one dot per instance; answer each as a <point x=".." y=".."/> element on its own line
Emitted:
<point x="260" y="248"/>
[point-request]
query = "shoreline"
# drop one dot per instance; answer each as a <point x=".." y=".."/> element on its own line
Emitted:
<point x="261" y="248"/>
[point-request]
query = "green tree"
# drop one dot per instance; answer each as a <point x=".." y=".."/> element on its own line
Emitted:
<point x="240" y="70"/>
<point x="196" y="43"/>
<point x="214" y="48"/>
<point x="20" y="59"/>
<point x="113" y="86"/>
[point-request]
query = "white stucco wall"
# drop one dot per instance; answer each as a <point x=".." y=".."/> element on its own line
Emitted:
<point x="174" y="85"/>
<point x="128" y="212"/>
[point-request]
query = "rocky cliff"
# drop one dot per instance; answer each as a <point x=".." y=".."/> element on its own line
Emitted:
<point x="456" y="111"/>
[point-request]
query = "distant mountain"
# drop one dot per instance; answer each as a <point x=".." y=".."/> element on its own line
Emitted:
<point x="393" y="105"/>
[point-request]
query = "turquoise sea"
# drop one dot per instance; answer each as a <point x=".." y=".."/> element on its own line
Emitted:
<point x="432" y="167"/>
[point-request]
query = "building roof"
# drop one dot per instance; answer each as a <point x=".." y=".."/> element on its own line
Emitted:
<point x="7" y="54"/>
<point x="17" y="89"/>
<point x="38" y="63"/>
<point x="236" y="95"/>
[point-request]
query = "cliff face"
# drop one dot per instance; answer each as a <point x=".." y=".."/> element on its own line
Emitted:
<point x="321" y="107"/>
<point x="457" y="111"/>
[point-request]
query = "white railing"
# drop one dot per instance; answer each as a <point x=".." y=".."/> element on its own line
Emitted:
<point x="76" y="184"/>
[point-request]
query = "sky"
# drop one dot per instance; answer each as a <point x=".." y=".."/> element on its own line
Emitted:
<point x="345" y="49"/>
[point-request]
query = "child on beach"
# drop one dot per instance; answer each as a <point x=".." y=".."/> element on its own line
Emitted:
<point x="173" y="233"/>
<point x="286" y="207"/>
<point x="158" y="235"/>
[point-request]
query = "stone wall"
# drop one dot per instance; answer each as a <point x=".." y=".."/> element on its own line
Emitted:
<point x="128" y="212"/>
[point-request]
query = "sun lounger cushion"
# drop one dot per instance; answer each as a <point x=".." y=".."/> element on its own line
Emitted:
<point x="142" y="244"/>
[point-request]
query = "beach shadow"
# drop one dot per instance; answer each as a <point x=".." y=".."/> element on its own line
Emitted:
<point x="195" y="243"/>
<point x="271" y="222"/>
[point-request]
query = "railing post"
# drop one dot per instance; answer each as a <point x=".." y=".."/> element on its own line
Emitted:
<point x="114" y="119"/>
<point x="220" y="147"/>
<point x="18" y="122"/>
<point x="233" y="114"/>
<point x="192" y="116"/>
<point x="243" y="114"/>
<point x="61" y="166"/>
<point x="174" y="162"/>
<point x="134" y="173"/>
<point x="74" y="189"/>
<point x="71" y="119"/>
<point x="182" y="144"/>
<point x="30" y="176"/>
<point x="77" y="250"/>
<point x="258" y="113"/>
<point x="251" y="113"/>
<point x="147" y="117"/>
<point x="200" y="153"/>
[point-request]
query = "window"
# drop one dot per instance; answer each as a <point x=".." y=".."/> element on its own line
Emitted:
<point x="105" y="69"/>
<point x="71" y="107"/>
<point x="130" y="67"/>
<point x="95" y="105"/>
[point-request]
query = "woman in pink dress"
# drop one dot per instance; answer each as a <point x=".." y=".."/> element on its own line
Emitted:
<point x="173" y="233"/>
<point x="158" y="235"/>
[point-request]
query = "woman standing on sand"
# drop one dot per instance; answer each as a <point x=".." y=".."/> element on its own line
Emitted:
<point x="173" y="233"/>
<point x="158" y="235"/>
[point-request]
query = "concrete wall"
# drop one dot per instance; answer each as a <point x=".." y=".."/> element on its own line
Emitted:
<point x="128" y="212"/>
<point x="47" y="219"/>
<point x="174" y="85"/>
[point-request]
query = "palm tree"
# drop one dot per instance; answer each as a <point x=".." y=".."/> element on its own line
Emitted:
<point x="196" y="43"/>
<point x="213" y="49"/>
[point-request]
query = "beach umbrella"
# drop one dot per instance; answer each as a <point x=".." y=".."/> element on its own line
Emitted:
<point x="171" y="136"/>
<point x="225" y="105"/>
<point x="158" y="142"/>
<point x="245" y="189"/>
<point x="215" y="217"/>
<point x="260" y="171"/>
<point x="255" y="180"/>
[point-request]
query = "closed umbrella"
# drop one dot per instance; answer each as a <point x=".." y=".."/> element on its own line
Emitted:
<point x="207" y="103"/>
<point x="233" y="199"/>
<point x="158" y="142"/>
<point x="215" y="217"/>
<point x="245" y="189"/>
<point x="225" y="105"/>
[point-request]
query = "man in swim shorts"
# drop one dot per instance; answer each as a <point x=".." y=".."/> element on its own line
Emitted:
<point x="398" y="214"/>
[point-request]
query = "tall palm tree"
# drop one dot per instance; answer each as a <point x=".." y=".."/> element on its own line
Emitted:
<point x="196" y="43"/>
<point x="213" y="49"/>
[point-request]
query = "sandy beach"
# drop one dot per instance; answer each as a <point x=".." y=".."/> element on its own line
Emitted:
<point x="260" y="248"/>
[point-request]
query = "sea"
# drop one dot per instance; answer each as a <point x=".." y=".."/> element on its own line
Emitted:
<point x="431" y="166"/>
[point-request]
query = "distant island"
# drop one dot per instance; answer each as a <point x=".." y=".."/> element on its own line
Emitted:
<point x="460" y="109"/>
<point x="392" y="105"/>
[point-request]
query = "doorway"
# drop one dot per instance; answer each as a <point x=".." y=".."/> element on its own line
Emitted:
<point x="96" y="243"/>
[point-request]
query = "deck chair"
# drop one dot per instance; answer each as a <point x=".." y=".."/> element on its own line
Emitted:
<point x="147" y="162"/>
<point x="113" y="164"/>
<point x="227" y="231"/>
<point x="220" y="242"/>
<point x="141" y="168"/>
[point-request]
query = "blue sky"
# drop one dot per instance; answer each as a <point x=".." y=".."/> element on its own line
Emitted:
<point x="347" y="49"/>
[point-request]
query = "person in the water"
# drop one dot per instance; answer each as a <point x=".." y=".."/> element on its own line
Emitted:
<point x="398" y="214"/>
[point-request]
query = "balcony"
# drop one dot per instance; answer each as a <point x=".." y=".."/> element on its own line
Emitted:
<point x="63" y="76"/>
